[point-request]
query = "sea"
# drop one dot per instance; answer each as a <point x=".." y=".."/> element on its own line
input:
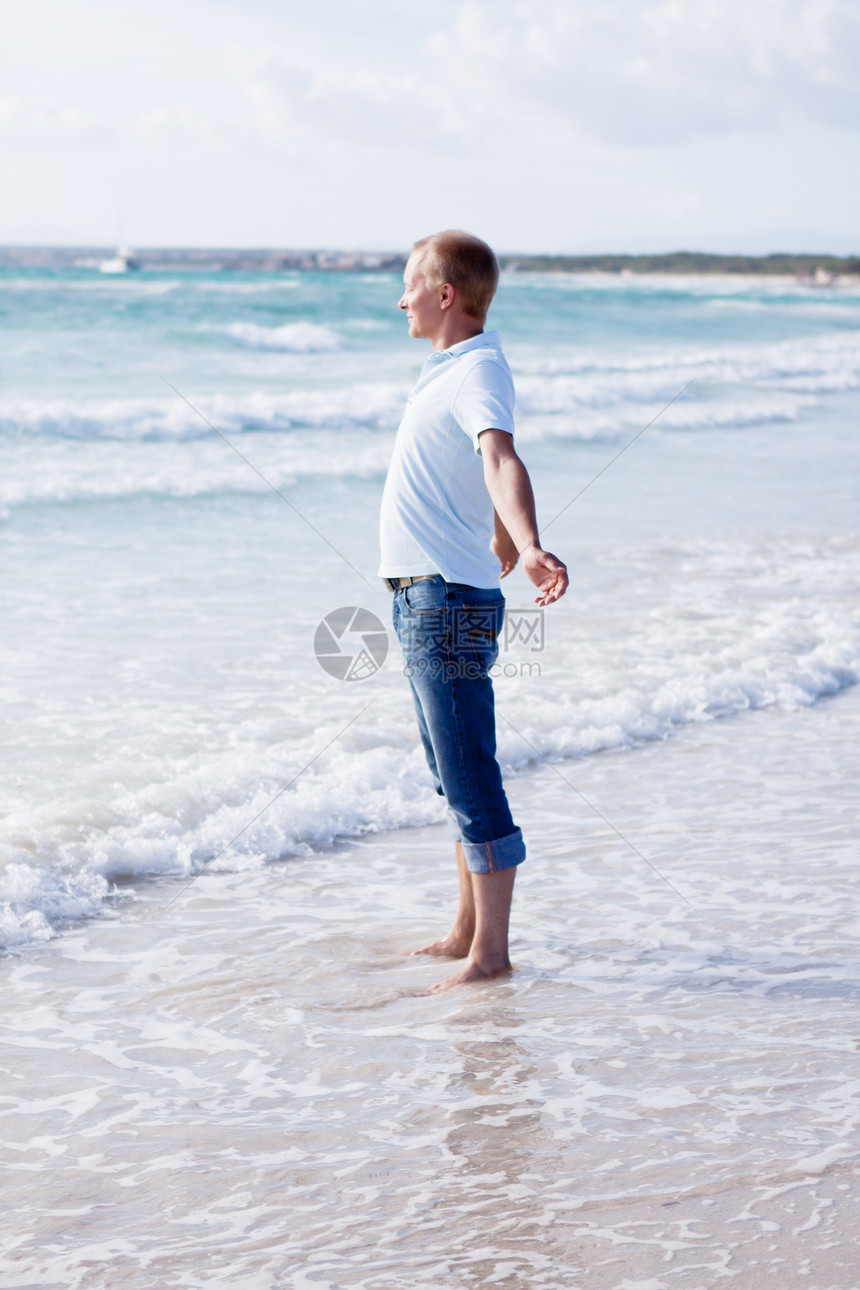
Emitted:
<point x="218" y="838"/>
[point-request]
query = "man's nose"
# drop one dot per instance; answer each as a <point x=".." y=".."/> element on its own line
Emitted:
<point x="401" y="304"/>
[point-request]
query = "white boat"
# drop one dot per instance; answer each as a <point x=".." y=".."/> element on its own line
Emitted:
<point x="122" y="262"/>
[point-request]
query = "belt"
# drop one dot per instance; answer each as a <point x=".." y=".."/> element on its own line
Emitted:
<point x="397" y="584"/>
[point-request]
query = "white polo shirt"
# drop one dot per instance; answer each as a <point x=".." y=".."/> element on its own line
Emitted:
<point x="437" y="515"/>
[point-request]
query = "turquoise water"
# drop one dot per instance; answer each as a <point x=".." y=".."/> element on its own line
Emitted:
<point x="162" y="591"/>
<point x="242" y="1082"/>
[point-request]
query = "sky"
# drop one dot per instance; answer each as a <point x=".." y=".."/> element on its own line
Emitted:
<point x="567" y="126"/>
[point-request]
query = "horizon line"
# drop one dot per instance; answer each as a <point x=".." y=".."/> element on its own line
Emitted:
<point x="331" y="249"/>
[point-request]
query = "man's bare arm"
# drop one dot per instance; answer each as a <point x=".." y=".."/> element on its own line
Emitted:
<point x="510" y="488"/>
<point x="504" y="547"/>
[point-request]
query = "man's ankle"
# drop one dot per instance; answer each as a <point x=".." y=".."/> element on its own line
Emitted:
<point x="491" y="958"/>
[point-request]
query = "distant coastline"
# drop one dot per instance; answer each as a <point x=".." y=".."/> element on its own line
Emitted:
<point x="816" y="269"/>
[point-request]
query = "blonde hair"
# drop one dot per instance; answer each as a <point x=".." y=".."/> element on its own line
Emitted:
<point x="467" y="263"/>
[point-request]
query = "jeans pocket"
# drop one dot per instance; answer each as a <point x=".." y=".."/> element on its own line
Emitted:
<point x="425" y="598"/>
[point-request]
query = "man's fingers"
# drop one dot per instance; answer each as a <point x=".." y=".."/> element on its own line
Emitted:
<point x="548" y="573"/>
<point x="553" y="587"/>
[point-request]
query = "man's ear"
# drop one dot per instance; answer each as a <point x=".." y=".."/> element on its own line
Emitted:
<point x="447" y="295"/>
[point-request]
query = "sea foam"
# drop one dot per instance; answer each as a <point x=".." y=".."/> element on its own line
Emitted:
<point x="291" y="338"/>
<point x="256" y="788"/>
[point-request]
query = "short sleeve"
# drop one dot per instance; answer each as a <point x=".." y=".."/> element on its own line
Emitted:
<point x="485" y="400"/>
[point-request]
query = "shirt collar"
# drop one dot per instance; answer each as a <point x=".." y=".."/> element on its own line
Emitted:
<point x="484" y="339"/>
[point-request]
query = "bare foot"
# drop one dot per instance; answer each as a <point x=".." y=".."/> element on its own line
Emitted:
<point x="451" y="947"/>
<point x="470" y="972"/>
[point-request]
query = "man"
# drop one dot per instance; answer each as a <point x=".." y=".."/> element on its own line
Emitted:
<point x="457" y="512"/>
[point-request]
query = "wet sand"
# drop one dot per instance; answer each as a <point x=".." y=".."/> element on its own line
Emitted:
<point x="250" y="1088"/>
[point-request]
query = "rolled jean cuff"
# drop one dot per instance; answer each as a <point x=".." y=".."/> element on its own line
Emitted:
<point x="489" y="857"/>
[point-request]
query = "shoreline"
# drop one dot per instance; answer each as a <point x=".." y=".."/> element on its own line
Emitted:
<point x="253" y="1088"/>
<point x="549" y="781"/>
<point x="812" y="268"/>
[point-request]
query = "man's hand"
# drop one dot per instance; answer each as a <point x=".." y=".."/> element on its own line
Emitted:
<point x="547" y="572"/>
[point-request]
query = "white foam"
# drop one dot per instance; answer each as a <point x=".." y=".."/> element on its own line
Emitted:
<point x="790" y="639"/>
<point x="689" y="413"/>
<point x="74" y="472"/>
<point x="193" y="788"/>
<point x="131" y="284"/>
<point x="292" y="338"/>
<point x="607" y="374"/>
<point x="822" y="1160"/>
<point x="61" y="859"/>
<point x="171" y="418"/>
<point x="262" y="285"/>
<point x="584" y="396"/>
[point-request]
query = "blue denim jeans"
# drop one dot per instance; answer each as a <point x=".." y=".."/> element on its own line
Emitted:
<point x="449" y="635"/>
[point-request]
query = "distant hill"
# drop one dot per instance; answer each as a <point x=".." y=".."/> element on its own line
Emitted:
<point x="812" y="267"/>
<point x="779" y="263"/>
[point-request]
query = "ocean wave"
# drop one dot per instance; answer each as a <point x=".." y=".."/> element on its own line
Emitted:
<point x="129" y="284"/>
<point x="560" y="386"/>
<point x="183" y="819"/>
<point x="793" y="307"/>
<point x="588" y="425"/>
<point x="640" y="390"/>
<point x="171" y="418"/>
<point x="290" y="338"/>
<point x="260" y="286"/>
<point x="773" y="357"/>
<point x="769" y="363"/>
<point x="630" y="387"/>
<point x="103" y="471"/>
<point x="134" y="449"/>
<point x="701" y="286"/>
<point x="795" y="657"/>
<point x="588" y="395"/>
<point x="703" y="654"/>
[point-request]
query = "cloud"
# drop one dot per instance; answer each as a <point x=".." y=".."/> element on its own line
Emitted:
<point x="666" y="72"/>
<point x="642" y="72"/>
<point x="545" y="122"/>
<point x="31" y="119"/>
<point x="294" y="105"/>
<point x="170" y="125"/>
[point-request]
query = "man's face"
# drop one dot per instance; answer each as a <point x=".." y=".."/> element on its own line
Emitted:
<point x="421" y="302"/>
